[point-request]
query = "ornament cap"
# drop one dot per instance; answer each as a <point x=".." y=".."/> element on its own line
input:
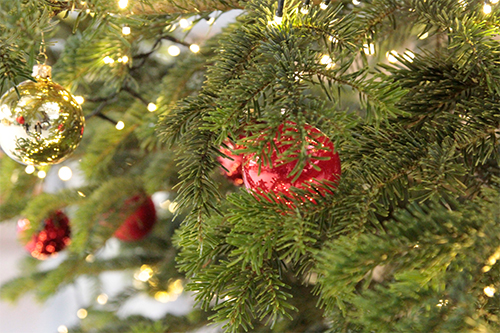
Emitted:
<point x="42" y="71"/>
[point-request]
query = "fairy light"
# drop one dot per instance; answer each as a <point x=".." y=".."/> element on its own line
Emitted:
<point x="62" y="329"/>
<point x="29" y="169"/>
<point x="494" y="1"/>
<point x="79" y="99"/>
<point x="102" y="299"/>
<point x="391" y="56"/>
<point x="356" y="2"/>
<point x="41" y="174"/>
<point x="304" y="10"/>
<point x="409" y="56"/>
<point x="489" y="291"/>
<point x="369" y="49"/>
<point x="323" y="6"/>
<point x="65" y="173"/>
<point x="120" y="125"/>
<point x="487" y="8"/>
<point x="184" y="24"/>
<point x="276" y="20"/>
<point x="152" y="107"/>
<point x="90" y="258"/>
<point x="125" y="30"/>
<point x="108" y="60"/>
<point x="211" y="21"/>
<point x="194" y="48"/>
<point x="145" y="273"/>
<point x="123" y="4"/>
<point x="327" y="60"/>
<point x="174" y="50"/>
<point x="82" y="313"/>
<point x="173" y="207"/>
<point x="82" y="195"/>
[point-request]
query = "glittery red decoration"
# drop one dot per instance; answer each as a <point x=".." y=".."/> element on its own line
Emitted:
<point x="140" y="222"/>
<point x="54" y="236"/>
<point x="275" y="178"/>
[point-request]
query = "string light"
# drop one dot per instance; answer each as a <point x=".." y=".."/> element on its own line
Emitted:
<point x="62" y="329"/>
<point x="211" y="21"/>
<point x="108" y="60"/>
<point x="123" y="4"/>
<point x="41" y="174"/>
<point x="489" y="291"/>
<point x="194" y="48"/>
<point x="391" y="56"/>
<point x="369" y="49"/>
<point x="174" y="50"/>
<point x="409" y="56"/>
<point x="82" y="313"/>
<point x="120" y="125"/>
<point x="145" y="273"/>
<point x="29" y="169"/>
<point x="79" y="99"/>
<point x="328" y="61"/>
<point x="487" y="8"/>
<point x="494" y="1"/>
<point x="65" y="173"/>
<point x="126" y="30"/>
<point x="184" y="24"/>
<point x="152" y="107"/>
<point x="276" y="21"/>
<point x="90" y="258"/>
<point x="102" y="299"/>
<point x="356" y="2"/>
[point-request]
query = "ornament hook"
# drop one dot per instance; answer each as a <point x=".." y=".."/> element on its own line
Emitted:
<point x="43" y="50"/>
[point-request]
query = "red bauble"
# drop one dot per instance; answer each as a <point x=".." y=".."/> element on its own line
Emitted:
<point x="232" y="163"/>
<point x="54" y="236"/>
<point x="275" y="178"/>
<point x="140" y="222"/>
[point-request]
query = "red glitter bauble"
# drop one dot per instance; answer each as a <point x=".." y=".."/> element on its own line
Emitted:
<point x="232" y="163"/>
<point x="276" y="177"/>
<point x="140" y="222"/>
<point x="54" y="236"/>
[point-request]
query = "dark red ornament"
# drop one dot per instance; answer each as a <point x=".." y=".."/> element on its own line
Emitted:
<point x="20" y="120"/>
<point x="276" y="177"/>
<point x="140" y="222"/>
<point x="54" y="236"/>
<point x="232" y="163"/>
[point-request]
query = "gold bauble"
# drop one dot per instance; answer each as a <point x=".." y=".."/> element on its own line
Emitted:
<point x="41" y="123"/>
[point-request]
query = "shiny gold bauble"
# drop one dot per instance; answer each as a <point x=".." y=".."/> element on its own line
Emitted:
<point x="40" y="122"/>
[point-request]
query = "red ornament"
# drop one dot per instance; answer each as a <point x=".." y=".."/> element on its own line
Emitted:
<point x="140" y="222"/>
<point x="54" y="236"/>
<point x="20" y="120"/>
<point x="232" y="163"/>
<point x="276" y="177"/>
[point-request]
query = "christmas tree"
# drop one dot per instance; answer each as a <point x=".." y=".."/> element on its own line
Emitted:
<point x="403" y="93"/>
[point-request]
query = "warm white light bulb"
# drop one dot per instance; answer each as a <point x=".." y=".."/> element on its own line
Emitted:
<point x="108" y="60"/>
<point x="494" y="1"/>
<point x="369" y="49"/>
<point x="124" y="59"/>
<point x="323" y="6"/>
<point x="29" y="169"/>
<point x="81" y="313"/>
<point x="391" y="56"/>
<point x="126" y="30"/>
<point x="489" y="291"/>
<point x="65" y="173"/>
<point x="486" y="8"/>
<point x="41" y="174"/>
<point x="174" y="50"/>
<point x="356" y="2"/>
<point x="184" y="24"/>
<point x="102" y="299"/>
<point x="152" y="107"/>
<point x="123" y="4"/>
<point x="211" y="20"/>
<point x="194" y="48"/>
<point x="120" y="125"/>
<point x="79" y="99"/>
<point x="62" y="329"/>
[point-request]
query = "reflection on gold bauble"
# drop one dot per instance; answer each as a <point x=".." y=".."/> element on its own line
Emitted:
<point x="41" y="123"/>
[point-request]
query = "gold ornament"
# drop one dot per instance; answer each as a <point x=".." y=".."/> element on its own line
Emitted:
<point x="41" y="123"/>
